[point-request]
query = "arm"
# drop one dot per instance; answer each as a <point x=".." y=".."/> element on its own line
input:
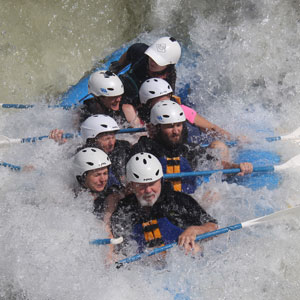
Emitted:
<point x="117" y="66"/>
<point x="131" y="115"/>
<point x="133" y="53"/>
<point x="111" y="203"/>
<point x="206" y="126"/>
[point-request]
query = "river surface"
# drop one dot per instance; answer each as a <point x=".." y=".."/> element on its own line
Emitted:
<point x="246" y="79"/>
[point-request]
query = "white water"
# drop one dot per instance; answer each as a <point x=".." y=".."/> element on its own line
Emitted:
<point x="247" y="78"/>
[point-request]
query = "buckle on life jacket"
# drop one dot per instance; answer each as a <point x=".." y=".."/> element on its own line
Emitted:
<point x="152" y="234"/>
<point x="173" y="166"/>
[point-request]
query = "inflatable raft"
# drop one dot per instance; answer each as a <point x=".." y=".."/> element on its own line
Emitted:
<point x="258" y="157"/>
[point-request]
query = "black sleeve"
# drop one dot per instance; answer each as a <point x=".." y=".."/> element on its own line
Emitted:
<point x="122" y="219"/>
<point x="190" y="212"/>
<point x="144" y="145"/>
<point x="90" y="107"/>
<point x="136" y="51"/>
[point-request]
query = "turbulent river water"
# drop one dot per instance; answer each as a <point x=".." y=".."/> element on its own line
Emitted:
<point x="245" y="78"/>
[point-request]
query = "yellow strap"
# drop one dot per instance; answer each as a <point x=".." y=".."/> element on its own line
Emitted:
<point x="177" y="99"/>
<point x="171" y="169"/>
<point x="154" y="234"/>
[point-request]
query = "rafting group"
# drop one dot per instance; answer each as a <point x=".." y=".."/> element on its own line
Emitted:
<point x="126" y="179"/>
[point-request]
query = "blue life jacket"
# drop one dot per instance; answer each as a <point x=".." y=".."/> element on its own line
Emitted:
<point x="177" y="165"/>
<point x="160" y="231"/>
<point x="112" y="180"/>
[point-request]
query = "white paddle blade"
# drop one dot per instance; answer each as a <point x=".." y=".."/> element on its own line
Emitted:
<point x="292" y="136"/>
<point x="116" y="241"/>
<point x="290" y="164"/>
<point x="4" y="140"/>
<point x="294" y="211"/>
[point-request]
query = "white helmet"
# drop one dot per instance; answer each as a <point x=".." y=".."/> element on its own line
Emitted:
<point x="143" y="167"/>
<point x="105" y="83"/>
<point x="164" y="51"/>
<point x="152" y="88"/>
<point x="97" y="124"/>
<point x="90" y="159"/>
<point x="166" y="112"/>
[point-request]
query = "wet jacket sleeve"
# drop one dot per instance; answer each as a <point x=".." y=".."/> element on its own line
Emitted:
<point x="136" y="51"/>
<point x="190" y="212"/>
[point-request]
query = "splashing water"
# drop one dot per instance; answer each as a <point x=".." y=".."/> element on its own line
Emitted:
<point x="245" y="78"/>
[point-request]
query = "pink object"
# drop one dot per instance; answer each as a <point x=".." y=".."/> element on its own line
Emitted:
<point x="190" y="113"/>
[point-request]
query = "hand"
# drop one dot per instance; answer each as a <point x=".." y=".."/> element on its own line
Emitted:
<point x="56" y="135"/>
<point x="151" y="130"/>
<point x="115" y="67"/>
<point x="28" y="168"/>
<point x="187" y="240"/>
<point x="242" y="139"/>
<point x="246" y="168"/>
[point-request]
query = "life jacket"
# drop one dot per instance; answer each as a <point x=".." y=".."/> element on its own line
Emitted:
<point x="177" y="99"/>
<point x="155" y="233"/>
<point x="112" y="180"/>
<point x="179" y="164"/>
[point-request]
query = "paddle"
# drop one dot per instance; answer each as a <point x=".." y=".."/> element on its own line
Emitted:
<point x="295" y="135"/>
<point x="25" y="106"/>
<point x="267" y="218"/>
<point x="4" y="140"/>
<point x="291" y="163"/>
<point x="13" y="167"/>
<point x="107" y="241"/>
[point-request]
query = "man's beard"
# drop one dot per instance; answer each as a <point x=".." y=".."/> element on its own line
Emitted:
<point x="164" y="139"/>
<point x="143" y="199"/>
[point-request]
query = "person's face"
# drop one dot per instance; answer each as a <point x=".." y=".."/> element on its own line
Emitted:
<point x="112" y="103"/>
<point x="147" y="193"/>
<point x="172" y="132"/>
<point x="154" y="67"/>
<point x="96" y="180"/>
<point x="106" y="141"/>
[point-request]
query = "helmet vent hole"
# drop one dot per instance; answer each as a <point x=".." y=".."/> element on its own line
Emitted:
<point x="93" y="150"/>
<point x="137" y="158"/>
<point x="152" y="92"/>
<point x="83" y="150"/>
<point x="89" y="163"/>
<point x="104" y="125"/>
<point x="166" y="116"/>
<point x="181" y="114"/>
<point x="110" y="89"/>
<point x="150" y="156"/>
<point x="144" y="161"/>
<point x="136" y="176"/>
<point x="157" y="172"/>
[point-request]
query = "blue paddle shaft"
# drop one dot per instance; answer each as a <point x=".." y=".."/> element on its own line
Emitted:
<point x="164" y="248"/>
<point x="100" y="242"/>
<point x="132" y="130"/>
<point x="24" y="106"/>
<point x="210" y="172"/>
<point x="71" y="135"/>
<point x="39" y="138"/>
<point x="13" y="167"/>
<point x="273" y="139"/>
